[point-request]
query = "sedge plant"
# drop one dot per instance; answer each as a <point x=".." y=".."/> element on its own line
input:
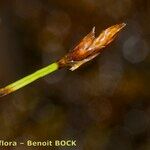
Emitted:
<point x="89" y="47"/>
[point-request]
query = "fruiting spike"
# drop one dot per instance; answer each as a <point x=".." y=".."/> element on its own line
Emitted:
<point x="90" y="47"/>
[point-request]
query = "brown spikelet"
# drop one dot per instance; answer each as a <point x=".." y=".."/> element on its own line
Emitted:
<point x="90" y="47"/>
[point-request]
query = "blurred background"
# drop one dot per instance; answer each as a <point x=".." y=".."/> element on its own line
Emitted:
<point x="105" y="104"/>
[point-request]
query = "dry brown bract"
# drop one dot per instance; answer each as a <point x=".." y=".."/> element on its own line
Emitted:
<point x="89" y="47"/>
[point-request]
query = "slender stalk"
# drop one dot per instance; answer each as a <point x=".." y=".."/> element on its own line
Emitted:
<point x="28" y="79"/>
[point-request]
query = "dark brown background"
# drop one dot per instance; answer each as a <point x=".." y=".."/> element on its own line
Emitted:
<point x="104" y="105"/>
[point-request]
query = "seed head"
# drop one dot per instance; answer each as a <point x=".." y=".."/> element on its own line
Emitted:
<point x="90" y="47"/>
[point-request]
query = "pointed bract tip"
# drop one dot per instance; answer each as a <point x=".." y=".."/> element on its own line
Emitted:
<point x="121" y="25"/>
<point x="93" y="29"/>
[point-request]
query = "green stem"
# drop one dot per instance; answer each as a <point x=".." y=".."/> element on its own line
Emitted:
<point x="28" y="79"/>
